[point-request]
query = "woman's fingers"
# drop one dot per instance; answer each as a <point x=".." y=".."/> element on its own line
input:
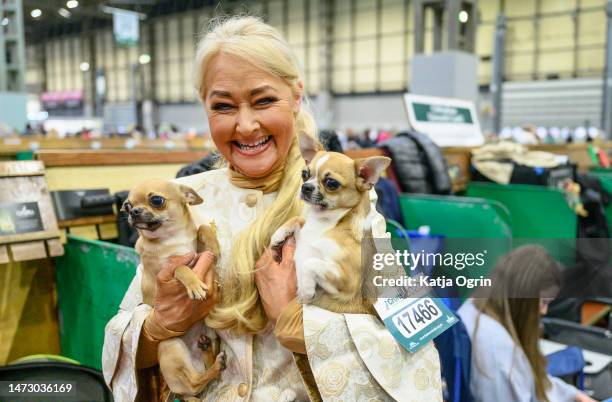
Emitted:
<point x="205" y="270"/>
<point x="288" y="251"/>
<point x="167" y="273"/>
<point x="204" y="264"/>
<point x="265" y="259"/>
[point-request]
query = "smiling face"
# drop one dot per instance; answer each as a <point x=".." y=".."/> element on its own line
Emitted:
<point x="251" y="114"/>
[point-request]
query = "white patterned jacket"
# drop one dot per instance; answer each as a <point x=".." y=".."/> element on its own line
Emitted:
<point x="352" y="356"/>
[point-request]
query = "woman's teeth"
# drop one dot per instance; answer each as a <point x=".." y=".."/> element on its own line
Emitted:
<point x="253" y="146"/>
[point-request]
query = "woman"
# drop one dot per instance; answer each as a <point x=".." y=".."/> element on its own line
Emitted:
<point x="247" y="77"/>
<point x="504" y="327"/>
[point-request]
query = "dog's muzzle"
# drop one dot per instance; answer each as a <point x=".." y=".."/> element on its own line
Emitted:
<point x="143" y="219"/>
<point x="312" y="196"/>
<point x="307" y="190"/>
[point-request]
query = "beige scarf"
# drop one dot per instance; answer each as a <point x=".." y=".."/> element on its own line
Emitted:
<point x="266" y="184"/>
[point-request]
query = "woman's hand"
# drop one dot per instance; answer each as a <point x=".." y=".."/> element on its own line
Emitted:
<point x="173" y="308"/>
<point x="276" y="281"/>
<point x="582" y="397"/>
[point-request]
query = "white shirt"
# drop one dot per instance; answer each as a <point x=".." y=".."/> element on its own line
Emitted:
<point x="500" y="370"/>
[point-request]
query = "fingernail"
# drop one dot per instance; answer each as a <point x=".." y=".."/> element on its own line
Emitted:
<point x="291" y="241"/>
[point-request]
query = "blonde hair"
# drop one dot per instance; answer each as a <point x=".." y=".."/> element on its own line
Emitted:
<point x="261" y="45"/>
<point x="525" y="271"/>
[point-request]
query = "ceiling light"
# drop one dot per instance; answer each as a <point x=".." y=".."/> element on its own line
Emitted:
<point x="64" y="13"/>
<point x="84" y="66"/>
<point x="5" y="22"/>
<point x="463" y="16"/>
<point x="144" y="59"/>
<point x="36" y="13"/>
<point x="72" y="4"/>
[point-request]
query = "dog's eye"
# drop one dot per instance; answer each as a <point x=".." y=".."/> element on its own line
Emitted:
<point x="157" y="201"/>
<point x="331" y="184"/>
<point x="305" y="174"/>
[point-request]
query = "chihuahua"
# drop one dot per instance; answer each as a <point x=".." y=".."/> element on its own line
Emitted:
<point x="159" y="210"/>
<point x="329" y="233"/>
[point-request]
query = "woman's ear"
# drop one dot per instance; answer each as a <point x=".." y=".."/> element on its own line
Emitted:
<point x="297" y="100"/>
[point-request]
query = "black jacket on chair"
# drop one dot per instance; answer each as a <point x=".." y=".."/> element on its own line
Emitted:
<point x="418" y="163"/>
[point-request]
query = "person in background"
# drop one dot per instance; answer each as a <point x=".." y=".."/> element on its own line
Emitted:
<point x="504" y="327"/>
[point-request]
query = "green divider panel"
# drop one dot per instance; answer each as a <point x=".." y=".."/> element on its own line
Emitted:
<point x="92" y="277"/>
<point x="24" y="156"/>
<point x="469" y="225"/>
<point x="535" y="211"/>
<point x="458" y="217"/>
<point x="538" y="214"/>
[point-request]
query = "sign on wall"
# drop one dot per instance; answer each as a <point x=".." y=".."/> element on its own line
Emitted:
<point x="126" y="28"/>
<point x="28" y="227"/>
<point x="20" y="217"/>
<point x="447" y="121"/>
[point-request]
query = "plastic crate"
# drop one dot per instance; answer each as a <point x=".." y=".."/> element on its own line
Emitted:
<point x="92" y="278"/>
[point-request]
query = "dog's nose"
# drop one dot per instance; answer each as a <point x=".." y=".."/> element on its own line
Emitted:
<point x="136" y="211"/>
<point x="307" y="189"/>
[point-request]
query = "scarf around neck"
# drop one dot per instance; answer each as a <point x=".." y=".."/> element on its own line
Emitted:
<point x="266" y="184"/>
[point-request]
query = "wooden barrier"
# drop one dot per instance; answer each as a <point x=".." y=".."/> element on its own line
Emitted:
<point x="9" y="147"/>
<point x="116" y="170"/>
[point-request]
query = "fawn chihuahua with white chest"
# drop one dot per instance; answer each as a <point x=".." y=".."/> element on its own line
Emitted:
<point x="329" y="233"/>
<point x="159" y="210"/>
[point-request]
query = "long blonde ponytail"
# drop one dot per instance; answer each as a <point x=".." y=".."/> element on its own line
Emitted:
<point x="260" y="44"/>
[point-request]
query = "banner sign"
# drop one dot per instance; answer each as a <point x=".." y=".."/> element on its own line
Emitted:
<point x="447" y="121"/>
<point x="126" y="28"/>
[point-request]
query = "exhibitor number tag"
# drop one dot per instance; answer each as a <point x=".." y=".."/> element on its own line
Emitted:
<point x="415" y="322"/>
<point x="416" y="317"/>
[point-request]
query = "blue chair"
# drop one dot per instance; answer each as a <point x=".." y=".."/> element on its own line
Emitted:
<point x="568" y="362"/>
<point x="455" y="350"/>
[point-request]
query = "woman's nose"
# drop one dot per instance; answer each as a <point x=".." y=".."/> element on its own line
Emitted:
<point x="246" y="121"/>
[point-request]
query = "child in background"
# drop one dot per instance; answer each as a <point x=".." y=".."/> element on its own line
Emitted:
<point x="504" y="327"/>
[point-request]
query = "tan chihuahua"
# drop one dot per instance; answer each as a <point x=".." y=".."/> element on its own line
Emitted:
<point x="159" y="210"/>
<point x="329" y="233"/>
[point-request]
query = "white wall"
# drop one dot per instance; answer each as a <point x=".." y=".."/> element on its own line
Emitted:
<point x="370" y="111"/>
<point x="559" y="103"/>
<point x="185" y="117"/>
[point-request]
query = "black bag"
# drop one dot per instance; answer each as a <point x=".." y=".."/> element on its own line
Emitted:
<point x="418" y="164"/>
<point x="521" y="174"/>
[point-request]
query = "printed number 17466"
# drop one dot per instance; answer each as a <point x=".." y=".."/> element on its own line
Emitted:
<point x="416" y="317"/>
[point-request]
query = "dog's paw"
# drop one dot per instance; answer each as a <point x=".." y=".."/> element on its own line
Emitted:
<point x="288" y="395"/>
<point x="204" y="342"/>
<point x="278" y="238"/>
<point x="221" y="361"/>
<point x="197" y="290"/>
<point x="305" y="296"/>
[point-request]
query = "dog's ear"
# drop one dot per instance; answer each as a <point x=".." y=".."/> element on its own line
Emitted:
<point x="190" y="196"/>
<point x="309" y="146"/>
<point x="369" y="170"/>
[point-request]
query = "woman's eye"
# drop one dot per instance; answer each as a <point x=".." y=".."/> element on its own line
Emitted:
<point x="331" y="184"/>
<point x="305" y="174"/>
<point x="265" y="101"/>
<point x="156" y="201"/>
<point x="222" y="107"/>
